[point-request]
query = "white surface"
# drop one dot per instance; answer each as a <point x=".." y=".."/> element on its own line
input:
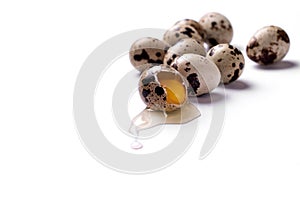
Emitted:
<point x="42" y="48"/>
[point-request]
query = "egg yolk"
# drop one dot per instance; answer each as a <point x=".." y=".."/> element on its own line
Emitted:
<point x="176" y="92"/>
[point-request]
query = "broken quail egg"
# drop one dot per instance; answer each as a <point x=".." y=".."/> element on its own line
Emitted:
<point x="162" y="88"/>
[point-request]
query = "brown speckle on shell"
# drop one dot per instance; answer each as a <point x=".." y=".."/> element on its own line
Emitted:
<point x="178" y="32"/>
<point x="193" y="24"/>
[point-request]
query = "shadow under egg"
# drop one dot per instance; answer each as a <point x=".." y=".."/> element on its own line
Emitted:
<point x="238" y="85"/>
<point x="209" y="98"/>
<point x="281" y="65"/>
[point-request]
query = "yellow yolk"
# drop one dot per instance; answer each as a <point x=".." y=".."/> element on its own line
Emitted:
<point x="176" y="93"/>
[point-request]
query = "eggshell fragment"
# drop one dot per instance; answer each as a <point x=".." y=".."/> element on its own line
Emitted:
<point x="201" y="73"/>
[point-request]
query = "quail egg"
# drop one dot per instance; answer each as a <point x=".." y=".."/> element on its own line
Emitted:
<point x="193" y="24"/>
<point x="184" y="46"/>
<point x="162" y="88"/>
<point x="201" y="73"/>
<point x="178" y="32"/>
<point x="218" y="28"/>
<point x="147" y="51"/>
<point x="229" y="60"/>
<point x="268" y="45"/>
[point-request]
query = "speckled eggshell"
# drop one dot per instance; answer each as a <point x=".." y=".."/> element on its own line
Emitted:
<point x="201" y="73"/>
<point x="147" y="51"/>
<point x="194" y="24"/>
<point x="229" y="60"/>
<point x="218" y="28"/>
<point x="151" y="91"/>
<point x="268" y="45"/>
<point x="178" y="32"/>
<point x="184" y="46"/>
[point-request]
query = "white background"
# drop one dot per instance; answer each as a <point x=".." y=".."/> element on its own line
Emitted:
<point x="42" y="47"/>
